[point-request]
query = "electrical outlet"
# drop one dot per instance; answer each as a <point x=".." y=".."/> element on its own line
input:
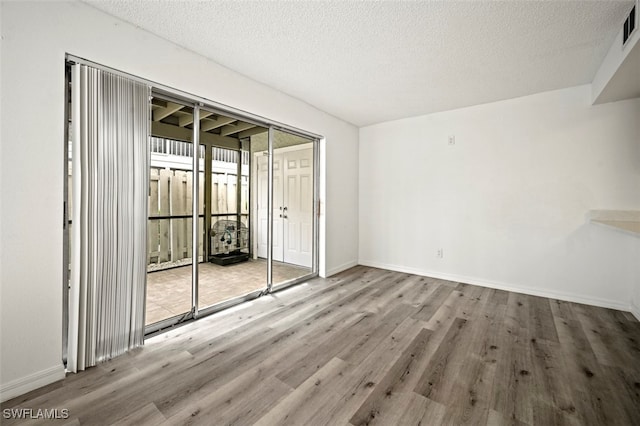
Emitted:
<point x="440" y="253"/>
<point x="452" y="140"/>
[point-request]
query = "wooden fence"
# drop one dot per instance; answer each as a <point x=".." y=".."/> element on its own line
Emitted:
<point x="170" y="194"/>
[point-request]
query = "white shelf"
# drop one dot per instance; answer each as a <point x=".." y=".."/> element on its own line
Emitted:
<point x="624" y="220"/>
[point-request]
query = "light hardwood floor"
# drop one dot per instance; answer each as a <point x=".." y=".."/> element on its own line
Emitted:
<point x="370" y="346"/>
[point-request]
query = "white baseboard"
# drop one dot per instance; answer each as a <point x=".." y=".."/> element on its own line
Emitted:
<point x="635" y="310"/>
<point x="341" y="268"/>
<point x="33" y="381"/>
<point x="568" y="297"/>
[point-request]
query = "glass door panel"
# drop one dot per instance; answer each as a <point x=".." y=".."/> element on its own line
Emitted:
<point x="231" y="271"/>
<point x="169" y="226"/>
<point x="293" y="206"/>
<point x="235" y="207"/>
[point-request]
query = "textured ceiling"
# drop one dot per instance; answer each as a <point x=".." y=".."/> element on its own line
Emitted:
<point x="369" y="62"/>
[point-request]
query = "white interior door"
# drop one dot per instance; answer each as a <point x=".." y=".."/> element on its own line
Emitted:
<point x="263" y="164"/>
<point x="298" y="207"/>
<point x="263" y="193"/>
<point x="278" y="204"/>
<point x="292" y="206"/>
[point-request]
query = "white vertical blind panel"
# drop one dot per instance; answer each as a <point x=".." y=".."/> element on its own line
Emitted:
<point x="108" y="263"/>
<point x="76" y="248"/>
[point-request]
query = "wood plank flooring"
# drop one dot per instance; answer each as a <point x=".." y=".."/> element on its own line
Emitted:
<point x="370" y="347"/>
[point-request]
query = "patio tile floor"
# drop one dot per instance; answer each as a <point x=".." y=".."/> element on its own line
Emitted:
<point x="169" y="291"/>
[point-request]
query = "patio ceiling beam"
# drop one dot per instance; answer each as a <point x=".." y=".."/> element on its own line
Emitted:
<point x="168" y="131"/>
<point x="231" y="129"/>
<point x="188" y="119"/>
<point x="251" y="132"/>
<point x="160" y="113"/>
<point x="208" y="124"/>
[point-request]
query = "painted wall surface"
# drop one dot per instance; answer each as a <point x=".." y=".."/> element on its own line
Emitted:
<point x="35" y="38"/>
<point x="508" y="202"/>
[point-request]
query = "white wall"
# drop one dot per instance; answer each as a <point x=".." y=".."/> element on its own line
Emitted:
<point x="508" y="202"/>
<point x="35" y="38"/>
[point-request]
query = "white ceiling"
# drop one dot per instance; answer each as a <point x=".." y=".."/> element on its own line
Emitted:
<point x="369" y="62"/>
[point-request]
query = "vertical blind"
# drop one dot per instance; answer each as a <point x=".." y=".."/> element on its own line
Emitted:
<point x="110" y="118"/>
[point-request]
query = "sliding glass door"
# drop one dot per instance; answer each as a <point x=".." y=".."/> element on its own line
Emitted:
<point x="230" y="273"/>
<point x="253" y="196"/>
<point x="170" y="251"/>
<point x="232" y="203"/>
<point x="293" y="207"/>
